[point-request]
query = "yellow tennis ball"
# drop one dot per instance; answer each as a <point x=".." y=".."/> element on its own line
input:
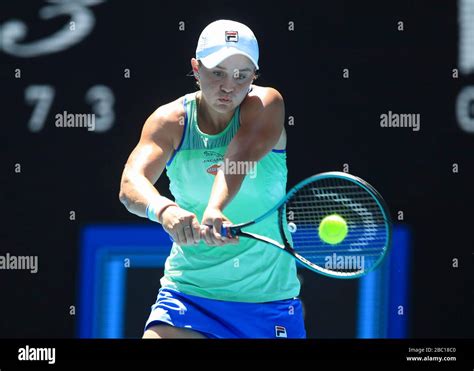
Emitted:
<point x="332" y="229"/>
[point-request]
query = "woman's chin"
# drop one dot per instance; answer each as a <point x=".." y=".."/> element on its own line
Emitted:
<point x="223" y="107"/>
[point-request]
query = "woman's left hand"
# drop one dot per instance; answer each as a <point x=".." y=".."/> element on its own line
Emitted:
<point x="211" y="224"/>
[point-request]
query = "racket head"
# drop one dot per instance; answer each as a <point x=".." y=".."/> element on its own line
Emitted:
<point x="369" y="227"/>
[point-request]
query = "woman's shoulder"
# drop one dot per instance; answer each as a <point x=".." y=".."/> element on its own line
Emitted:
<point x="171" y="115"/>
<point x="169" y="118"/>
<point x="172" y="111"/>
<point x="264" y="106"/>
<point x="261" y="100"/>
<point x="264" y="93"/>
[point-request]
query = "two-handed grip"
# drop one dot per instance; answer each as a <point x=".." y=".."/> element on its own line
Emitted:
<point x="226" y="231"/>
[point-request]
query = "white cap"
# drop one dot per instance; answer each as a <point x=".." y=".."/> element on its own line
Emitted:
<point x="223" y="38"/>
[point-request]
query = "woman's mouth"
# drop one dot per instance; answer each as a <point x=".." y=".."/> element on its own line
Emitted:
<point x="224" y="100"/>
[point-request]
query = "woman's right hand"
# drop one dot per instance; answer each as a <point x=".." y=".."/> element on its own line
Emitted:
<point x="181" y="225"/>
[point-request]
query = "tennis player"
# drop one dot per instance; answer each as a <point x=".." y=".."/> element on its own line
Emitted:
<point x="223" y="148"/>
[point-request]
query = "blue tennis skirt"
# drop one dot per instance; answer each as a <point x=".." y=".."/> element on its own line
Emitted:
<point x="227" y="319"/>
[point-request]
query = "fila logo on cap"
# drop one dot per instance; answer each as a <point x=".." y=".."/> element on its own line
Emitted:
<point x="280" y="332"/>
<point x="232" y="36"/>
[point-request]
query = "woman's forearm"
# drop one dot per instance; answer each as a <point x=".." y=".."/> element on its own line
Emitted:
<point x="136" y="193"/>
<point x="224" y="189"/>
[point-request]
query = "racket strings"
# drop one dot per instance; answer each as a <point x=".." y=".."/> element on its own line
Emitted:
<point x="367" y="233"/>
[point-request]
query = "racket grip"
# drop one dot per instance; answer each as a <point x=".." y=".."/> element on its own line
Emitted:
<point x="226" y="231"/>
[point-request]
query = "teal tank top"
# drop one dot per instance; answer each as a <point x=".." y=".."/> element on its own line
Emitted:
<point x="250" y="271"/>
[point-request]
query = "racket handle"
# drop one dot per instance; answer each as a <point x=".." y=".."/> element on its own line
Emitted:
<point x="225" y="232"/>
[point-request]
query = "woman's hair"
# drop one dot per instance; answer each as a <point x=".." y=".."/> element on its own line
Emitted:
<point x="198" y="86"/>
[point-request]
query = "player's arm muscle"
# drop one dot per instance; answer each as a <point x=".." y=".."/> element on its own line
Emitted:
<point x="257" y="136"/>
<point x="147" y="162"/>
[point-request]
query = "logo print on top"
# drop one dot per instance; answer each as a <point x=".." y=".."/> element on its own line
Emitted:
<point x="231" y="36"/>
<point x="213" y="169"/>
<point x="213" y="158"/>
<point x="280" y="332"/>
<point x="213" y="154"/>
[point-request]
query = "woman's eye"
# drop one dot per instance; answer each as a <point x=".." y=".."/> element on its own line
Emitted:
<point x="217" y="73"/>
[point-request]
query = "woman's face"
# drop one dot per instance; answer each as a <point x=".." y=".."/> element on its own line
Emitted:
<point x="225" y="86"/>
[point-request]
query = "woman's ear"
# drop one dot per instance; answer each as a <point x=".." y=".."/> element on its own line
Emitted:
<point x="195" y="65"/>
<point x="256" y="75"/>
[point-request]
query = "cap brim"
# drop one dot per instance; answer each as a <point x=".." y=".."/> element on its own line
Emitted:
<point x="215" y="58"/>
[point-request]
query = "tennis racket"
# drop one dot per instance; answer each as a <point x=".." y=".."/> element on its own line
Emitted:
<point x="304" y="207"/>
